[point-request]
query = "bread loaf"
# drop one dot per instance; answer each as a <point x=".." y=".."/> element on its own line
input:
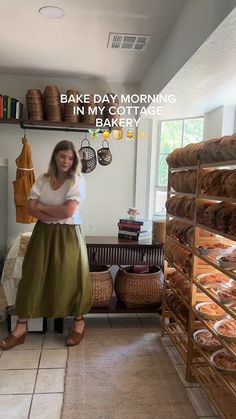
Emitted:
<point x="201" y="208"/>
<point x="224" y="176"/>
<point x="192" y="181"/>
<point x="189" y="236"/>
<point x="188" y="208"/>
<point x="228" y="148"/>
<point x="192" y="153"/>
<point x="175" y="279"/>
<point x="209" y="150"/>
<point x="223" y="216"/>
<point x="232" y="223"/>
<point x="230" y="184"/>
<point x="170" y="227"/>
<point x="209" y="218"/>
<point x="170" y="203"/>
<point x="173" y="158"/>
<point x="213" y="183"/>
<point x="173" y="179"/>
<point x="184" y="181"/>
<point x="178" y="209"/>
<point x="187" y="263"/>
<point x="180" y="231"/>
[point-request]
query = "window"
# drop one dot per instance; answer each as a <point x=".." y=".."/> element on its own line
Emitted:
<point x="173" y="134"/>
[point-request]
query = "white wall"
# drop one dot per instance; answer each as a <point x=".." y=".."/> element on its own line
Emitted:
<point x="228" y="123"/>
<point x="197" y="20"/>
<point x="145" y="169"/>
<point x="219" y="122"/>
<point x="213" y="123"/>
<point x="110" y="190"/>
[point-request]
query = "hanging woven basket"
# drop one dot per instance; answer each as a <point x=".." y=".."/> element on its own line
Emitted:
<point x="104" y="154"/>
<point x="87" y="157"/>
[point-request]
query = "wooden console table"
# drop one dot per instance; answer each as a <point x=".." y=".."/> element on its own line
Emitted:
<point x="109" y="250"/>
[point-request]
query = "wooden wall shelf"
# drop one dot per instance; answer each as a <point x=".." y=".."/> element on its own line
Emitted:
<point x="58" y="126"/>
<point x="10" y="121"/>
<point x="54" y="126"/>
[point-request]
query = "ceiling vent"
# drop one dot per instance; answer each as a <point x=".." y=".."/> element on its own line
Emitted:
<point x="128" y="41"/>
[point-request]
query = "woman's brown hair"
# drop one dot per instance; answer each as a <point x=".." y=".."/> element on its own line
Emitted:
<point x="76" y="166"/>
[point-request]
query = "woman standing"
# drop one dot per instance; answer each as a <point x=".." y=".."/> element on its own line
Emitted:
<point x="55" y="272"/>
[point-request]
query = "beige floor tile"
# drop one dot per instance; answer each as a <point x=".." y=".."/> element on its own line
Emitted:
<point x="17" y="381"/>
<point x="100" y="321"/>
<point x="50" y="381"/>
<point x="150" y="321"/>
<point x="211" y="417"/>
<point x="32" y="341"/>
<point x="53" y="358"/>
<point x="166" y="341"/>
<point x="200" y="402"/>
<point x="121" y="321"/>
<point x="87" y="413"/>
<point x="14" y="406"/>
<point x="3" y="331"/>
<point x="54" y="403"/>
<point x="174" y="355"/>
<point x="24" y="359"/>
<point x="181" y="369"/>
<point x="55" y="340"/>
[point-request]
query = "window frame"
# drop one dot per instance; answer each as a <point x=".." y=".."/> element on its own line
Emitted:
<point x="158" y="187"/>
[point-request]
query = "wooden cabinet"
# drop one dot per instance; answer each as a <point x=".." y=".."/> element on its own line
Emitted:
<point x="220" y="386"/>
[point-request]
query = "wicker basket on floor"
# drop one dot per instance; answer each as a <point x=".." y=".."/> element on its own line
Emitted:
<point x="136" y="290"/>
<point x="102" y="285"/>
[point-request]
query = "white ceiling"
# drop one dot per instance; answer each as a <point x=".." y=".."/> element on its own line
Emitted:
<point x="76" y="45"/>
<point x="208" y="79"/>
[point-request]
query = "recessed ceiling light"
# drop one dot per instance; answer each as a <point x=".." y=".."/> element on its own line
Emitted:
<point x="52" y="12"/>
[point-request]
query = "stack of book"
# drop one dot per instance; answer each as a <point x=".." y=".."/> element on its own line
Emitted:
<point x="134" y="229"/>
<point x="10" y="108"/>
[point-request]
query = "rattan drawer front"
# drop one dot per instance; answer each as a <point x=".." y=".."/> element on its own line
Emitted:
<point x="125" y="256"/>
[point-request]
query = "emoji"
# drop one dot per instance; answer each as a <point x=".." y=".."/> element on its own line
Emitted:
<point x="106" y="134"/>
<point x="94" y="133"/>
<point x="117" y="134"/>
<point x="130" y="134"/>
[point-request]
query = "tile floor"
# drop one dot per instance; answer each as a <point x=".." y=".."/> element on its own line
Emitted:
<point x="32" y="375"/>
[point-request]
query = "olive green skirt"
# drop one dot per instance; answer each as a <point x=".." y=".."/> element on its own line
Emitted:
<point x="55" y="273"/>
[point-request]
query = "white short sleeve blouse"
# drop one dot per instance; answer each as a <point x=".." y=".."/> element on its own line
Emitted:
<point x="70" y="190"/>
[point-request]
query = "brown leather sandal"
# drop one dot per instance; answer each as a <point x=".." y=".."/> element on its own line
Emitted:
<point x="11" y="340"/>
<point x="74" y="338"/>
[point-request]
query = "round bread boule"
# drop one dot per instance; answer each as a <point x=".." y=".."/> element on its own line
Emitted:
<point x="230" y="185"/>
<point x="227" y="150"/>
<point x="208" y="153"/>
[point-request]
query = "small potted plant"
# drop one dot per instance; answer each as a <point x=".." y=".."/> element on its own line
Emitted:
<point x="133" y="212"/>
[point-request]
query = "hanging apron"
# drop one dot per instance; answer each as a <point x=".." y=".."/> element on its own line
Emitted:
<point x="22" y="185"/>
